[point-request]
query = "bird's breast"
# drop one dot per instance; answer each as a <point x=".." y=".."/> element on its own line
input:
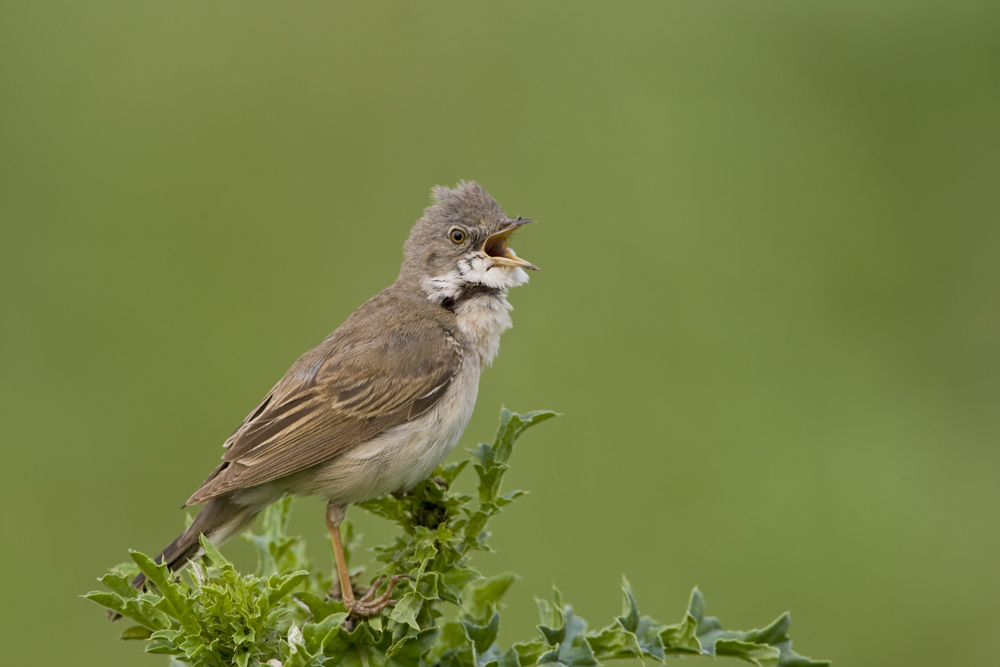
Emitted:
<point x="481" y="320"/>
<point x="403" y="455"/>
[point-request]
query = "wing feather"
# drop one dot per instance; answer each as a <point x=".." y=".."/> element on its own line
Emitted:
<point x="336" y="396"/>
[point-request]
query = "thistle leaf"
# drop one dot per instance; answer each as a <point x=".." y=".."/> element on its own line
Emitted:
<point x="447" y="614"/>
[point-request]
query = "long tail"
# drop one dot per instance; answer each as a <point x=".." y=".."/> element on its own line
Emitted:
<point x="218" y="520"/>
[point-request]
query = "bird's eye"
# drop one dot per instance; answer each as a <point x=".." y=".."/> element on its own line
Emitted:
<point x="456" y="235"/>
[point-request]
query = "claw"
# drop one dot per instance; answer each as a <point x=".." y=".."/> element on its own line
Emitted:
<point x="366" y="606"/>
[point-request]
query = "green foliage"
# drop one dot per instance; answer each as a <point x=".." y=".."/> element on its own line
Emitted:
<point x="448" y="614"/>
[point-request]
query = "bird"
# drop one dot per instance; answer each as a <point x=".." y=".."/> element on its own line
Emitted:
<point x="380" y="402"/>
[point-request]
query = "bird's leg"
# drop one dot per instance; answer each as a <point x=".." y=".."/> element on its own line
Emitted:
<point x="366" y="606"/>
<point x="334" y="516"/>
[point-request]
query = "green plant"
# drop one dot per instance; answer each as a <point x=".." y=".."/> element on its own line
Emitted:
<point x="448" y="614"/>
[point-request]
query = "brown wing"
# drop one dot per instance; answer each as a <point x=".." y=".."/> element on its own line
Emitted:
<point x="337" y="395"/>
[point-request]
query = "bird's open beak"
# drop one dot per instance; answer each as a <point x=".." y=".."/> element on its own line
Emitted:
<point x="495" y="247"/>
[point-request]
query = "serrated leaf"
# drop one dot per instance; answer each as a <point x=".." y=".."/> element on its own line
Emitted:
<point x="474" y="529"/>
<point x="387" y="507"/>
<point x="167" y="635"/>
<point x="406" y="610"/>
<point x="136" y="632"/>
<point x="320" y="607"/>
<point x="161" y="648"/>
<point x="452" y="637"/>
<point x="450" y="471"/>
<point x="773" y="633"/>
<point x="575" y="652"/>
<point x="427" y="586"/>
<point x="681" y="637"/>
<point x="120" y="584"/>
<point x="485" y="454"/>
<point x="411" y="648"/>
<point x="790" y="658"/>
<point x="529" y="652"/>
<point x="454" y="581"/>
<point x="510" y="658"/>
<point x="769" y="646"/>
<point x="509" y="497"/>
<point x="346" y="643"/>
<point x="172" y="594"/>
<point x="648" y="637"/>
<point x="630" y="610"/>
<point x="112" y="601"/>
<point x="285" y="586"/>
<point x="612" y="643"/>
<point x="512" y="426"/>
<point x="696" y="609"/>
<point x="696" y="605"/>
<point x="479" y="597"/>
<point x="423" y="551"/>
<point x="284" y="616"/>
<point x="316" y="636"/>
<point x="483" y="636"/>
<point x="139" y="611"/>
<point x="490" y="657"/>
<point x="568" y="632"/>
<point x="212" y="553"/>
<point x="761" y="655"/>
<point x="551" y="613"/>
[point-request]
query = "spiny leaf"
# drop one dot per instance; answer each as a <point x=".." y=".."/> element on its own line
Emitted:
<point x="681" y="637"/>
<point x="174" y="597"/>
<point x="482" y="636"/>
<point x="761" y="655"/>
<point x="120" y="584"/>
<point x="481" y="596"/>
<point x="512" y="426"/>
<point x="282" y="586"/>
<point x="213" y="616"/>
<point x="212" y="553"/>
<point x="406" y="610"/>
<point x="629" y="619"/>
<point x="136" y="632"/>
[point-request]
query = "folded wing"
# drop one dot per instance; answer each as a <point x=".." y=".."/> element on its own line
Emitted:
<point x="340" y="394"/>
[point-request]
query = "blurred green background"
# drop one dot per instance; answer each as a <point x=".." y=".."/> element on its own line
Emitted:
<point x="769" y="309"/>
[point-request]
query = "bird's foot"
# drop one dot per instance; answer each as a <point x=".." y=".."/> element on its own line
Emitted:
<point x="367" y="606"/>
<point x="335" y="592"/>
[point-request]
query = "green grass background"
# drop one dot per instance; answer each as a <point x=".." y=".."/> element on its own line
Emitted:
<point x="769" y="309"/>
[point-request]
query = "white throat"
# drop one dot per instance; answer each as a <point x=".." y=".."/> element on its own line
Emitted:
<point x="486" y="315"/>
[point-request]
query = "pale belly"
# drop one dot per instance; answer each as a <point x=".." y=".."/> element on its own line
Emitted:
<point x="404" y="455"/>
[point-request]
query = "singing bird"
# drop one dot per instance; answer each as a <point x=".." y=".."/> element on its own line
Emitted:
<point x="381" y="402"/>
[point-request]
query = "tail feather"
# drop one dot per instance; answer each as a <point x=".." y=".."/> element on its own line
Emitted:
<point x="218" y="520"/>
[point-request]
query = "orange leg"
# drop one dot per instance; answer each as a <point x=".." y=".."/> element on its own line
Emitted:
<point x="368" y="605"/>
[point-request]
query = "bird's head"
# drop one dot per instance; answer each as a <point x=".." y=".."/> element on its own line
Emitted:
<point x="461" y="242"/>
